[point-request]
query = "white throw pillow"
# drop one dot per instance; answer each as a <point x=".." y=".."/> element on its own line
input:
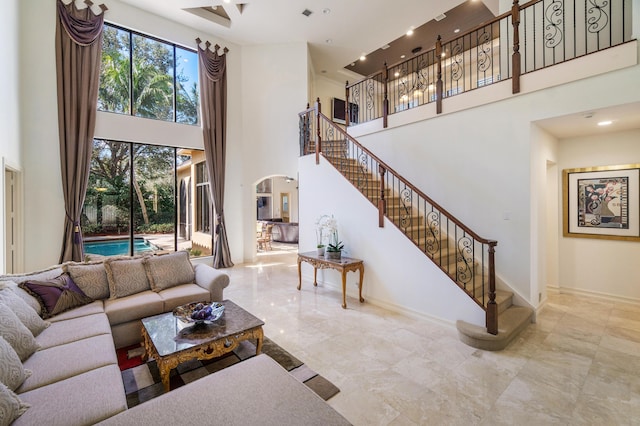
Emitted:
<point x="11" y="407"/>
<point x="126" y="277"/>
<point x="12" y="372"/>
<point x="23" y="311"/>
<point x="91" y="278"/>
<point x="14" y="332"/>
<point x="169" y="270"/>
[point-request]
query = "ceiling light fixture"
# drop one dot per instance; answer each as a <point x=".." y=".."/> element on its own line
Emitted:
<point x="397" y="74"/>
<point x="605" y="123"/>
<point x="456" y="31"/>
<point x="410" y="32"/>
<point x="326" y="11"/>
<point x="402" y="56"/>
<point x="362" y="58"/>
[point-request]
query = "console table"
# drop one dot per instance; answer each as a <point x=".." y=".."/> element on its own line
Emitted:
<point x="344" y="265"/>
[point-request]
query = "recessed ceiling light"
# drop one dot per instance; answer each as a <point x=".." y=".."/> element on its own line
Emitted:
<point x="443" y="54"/>
<point x="456" y="31"/>
<point x="326" y="11"/>
<point x="410" y="32"/>
<point x="362" y="58"/>
<point x="397" y="74"/>
<point x="605" y="123"/>
<point x="402" y="56"/>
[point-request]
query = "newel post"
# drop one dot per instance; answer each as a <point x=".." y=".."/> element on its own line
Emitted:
<point x="515" y="19"/>
<point x="382" y="202"/>
<point x="439" y="83"/>
<point x="346" y="105"/>
<point x="318" y="109"/>
<point x="492" y="306"/>
<point x="385" y="102"/>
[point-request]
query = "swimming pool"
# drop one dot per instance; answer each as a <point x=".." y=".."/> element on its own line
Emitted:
<point x="117" y="247"/>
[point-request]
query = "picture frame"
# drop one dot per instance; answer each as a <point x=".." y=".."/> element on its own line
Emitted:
<point x="602" y="202"/>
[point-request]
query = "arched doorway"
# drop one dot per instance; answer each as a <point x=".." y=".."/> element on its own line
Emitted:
<point x="276" y="199"/>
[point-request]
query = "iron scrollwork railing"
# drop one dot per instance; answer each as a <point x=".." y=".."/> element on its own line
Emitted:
<point x="531" y="36"/>
<point x="466" y="258"/>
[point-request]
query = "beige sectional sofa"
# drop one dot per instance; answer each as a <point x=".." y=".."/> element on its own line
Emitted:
<point x="65" y="369"/>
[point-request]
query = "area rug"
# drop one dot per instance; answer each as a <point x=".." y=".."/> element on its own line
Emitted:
<point x="142" y="380"/>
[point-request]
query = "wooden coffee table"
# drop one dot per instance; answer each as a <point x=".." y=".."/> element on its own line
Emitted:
<point x="170" y="341"/>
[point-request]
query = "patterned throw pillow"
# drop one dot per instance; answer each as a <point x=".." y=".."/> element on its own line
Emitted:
<point x="126" y="277"/>
<point x="14" y="332"/>
<point x="23" y="311"/>
<point x="91" y="278"/>
<point x="56" y="295"/>
<point x="169" y="270"/>
<point x="12" y="372"/>
<point x="11" y="407"/>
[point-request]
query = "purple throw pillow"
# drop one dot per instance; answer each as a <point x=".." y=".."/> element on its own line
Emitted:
<point x="57" y="295"/>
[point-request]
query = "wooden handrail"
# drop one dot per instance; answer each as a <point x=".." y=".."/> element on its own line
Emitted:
<point x="409" y="185"/>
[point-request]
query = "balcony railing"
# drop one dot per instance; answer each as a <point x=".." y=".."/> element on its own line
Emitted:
<point x="532" y="36"/>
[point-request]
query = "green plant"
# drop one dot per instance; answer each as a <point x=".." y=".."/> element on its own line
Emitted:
<point x="335" y="244"/>
<point x="195" y="252"/>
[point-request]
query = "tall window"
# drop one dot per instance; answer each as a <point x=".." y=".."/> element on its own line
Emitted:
<point x="203" y="205"/>
<point x="147" y="77"/>
<point x="132" y="202"/>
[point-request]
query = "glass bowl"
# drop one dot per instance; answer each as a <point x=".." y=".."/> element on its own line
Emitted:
<point x="199" y="312"/>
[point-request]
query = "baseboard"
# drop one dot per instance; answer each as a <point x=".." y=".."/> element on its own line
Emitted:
<point x="398" y="309"/>
<point x="593" y="294"/>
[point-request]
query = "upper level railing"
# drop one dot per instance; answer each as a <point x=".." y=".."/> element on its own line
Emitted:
<point x="532" y="36"/>
<point x="463" y="255"/>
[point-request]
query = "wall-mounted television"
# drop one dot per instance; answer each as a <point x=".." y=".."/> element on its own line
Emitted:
<point x="338" y="111"/>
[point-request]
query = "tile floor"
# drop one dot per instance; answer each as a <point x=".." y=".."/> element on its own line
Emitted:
<point x="578" y="365"/>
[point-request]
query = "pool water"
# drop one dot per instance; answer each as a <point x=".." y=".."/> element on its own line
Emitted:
<point x="117" y="247"/>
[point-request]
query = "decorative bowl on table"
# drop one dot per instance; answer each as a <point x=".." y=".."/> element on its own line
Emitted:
<point x="199" y="312"/>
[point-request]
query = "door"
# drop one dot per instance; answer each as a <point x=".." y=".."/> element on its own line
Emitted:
<point x="284" y="206"/>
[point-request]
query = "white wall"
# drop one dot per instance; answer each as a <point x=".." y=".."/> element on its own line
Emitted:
<point x="397" y="274"/>
<point x="477" y="161"/>
<point x="44" y="209"/>
<point x="326" y="89"/>
<point x="9" y="111"/>
<point x="280" y="185"/>
<point x="599" y="266"/>
<point x="274" y="90"/>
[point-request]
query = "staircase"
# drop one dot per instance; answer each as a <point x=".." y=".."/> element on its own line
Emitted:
<point x="465" y="258"/>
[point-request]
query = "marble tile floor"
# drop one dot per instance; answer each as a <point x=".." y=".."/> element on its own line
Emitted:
<point x="578" y="365"/>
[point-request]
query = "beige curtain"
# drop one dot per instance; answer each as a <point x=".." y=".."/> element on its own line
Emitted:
<point x="213" y="101"/>
<point x="78" y="56"/>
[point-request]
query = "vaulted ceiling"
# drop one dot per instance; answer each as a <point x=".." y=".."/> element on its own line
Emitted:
<point x="338" y="32"/>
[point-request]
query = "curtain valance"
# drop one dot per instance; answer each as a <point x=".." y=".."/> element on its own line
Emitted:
<point x="82" y="25"/>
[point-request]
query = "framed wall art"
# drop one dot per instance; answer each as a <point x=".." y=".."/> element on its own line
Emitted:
<point x="602" y="202"/>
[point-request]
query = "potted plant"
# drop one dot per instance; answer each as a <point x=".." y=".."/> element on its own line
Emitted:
<point x="335" y="246"/>
<point x="320" y="225"/>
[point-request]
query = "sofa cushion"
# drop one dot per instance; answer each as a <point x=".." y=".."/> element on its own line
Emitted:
<point x="84" y="399"/>
<point x="187" y="293"/>
<point x="64" y="361"/>
<point x="126" y="277"/>
<point x="71" y="330"/>
<point x="12" y="372"/>
<point x="91" y="278"/>
<point x="56" y="295"/>
<point x="169" y="270"/>
<point x="95" y="307"/>
<point x="14" y="332"/>
<point x="11" y="407"/>
<point x="23" y="311"/>
<point x="136" y="306"/>
<point x="41" y="275"/>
